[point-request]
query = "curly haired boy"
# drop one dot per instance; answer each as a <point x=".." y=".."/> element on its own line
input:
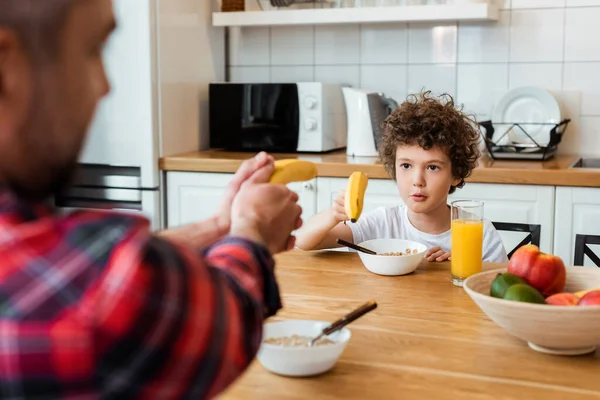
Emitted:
<point x="429" y="148"/>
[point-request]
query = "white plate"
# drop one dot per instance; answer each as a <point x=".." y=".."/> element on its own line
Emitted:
<point x="523" y="105"/>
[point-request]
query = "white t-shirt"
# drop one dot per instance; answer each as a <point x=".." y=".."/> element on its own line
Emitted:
<point x="393" y="222"/>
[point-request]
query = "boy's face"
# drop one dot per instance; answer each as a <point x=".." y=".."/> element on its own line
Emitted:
<point x="424" y="177"/>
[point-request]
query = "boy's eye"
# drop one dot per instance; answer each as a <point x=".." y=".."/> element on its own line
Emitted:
<point x="404" y="166"/>
<point x="433" y="168"/>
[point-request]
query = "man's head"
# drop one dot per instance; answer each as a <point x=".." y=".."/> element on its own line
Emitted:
<point x="51" y="79"/>
<point x="432" y="124"/>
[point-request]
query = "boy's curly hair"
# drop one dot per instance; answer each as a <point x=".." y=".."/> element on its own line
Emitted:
<point x="431" y="122"/>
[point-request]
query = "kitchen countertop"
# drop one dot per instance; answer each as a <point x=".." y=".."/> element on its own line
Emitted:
<point x="554" y="172"/>
<point x="426" y="340"/>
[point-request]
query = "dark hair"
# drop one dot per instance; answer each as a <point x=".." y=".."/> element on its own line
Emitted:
<point x="432" y="122"/>
<point x="37" y="23"/>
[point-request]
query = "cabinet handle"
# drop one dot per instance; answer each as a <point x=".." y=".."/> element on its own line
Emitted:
<point x="308" y="186"/>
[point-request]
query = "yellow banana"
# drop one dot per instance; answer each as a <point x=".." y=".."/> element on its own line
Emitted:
<point x="292" y="170"/>
<point x="355" y="193"/>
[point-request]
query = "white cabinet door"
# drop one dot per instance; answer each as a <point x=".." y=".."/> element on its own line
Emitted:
<point x="195" y="196"/>
<point x="380" y="193"/>
<point x="529" y="204"/>
<point x="577" y="212"/>
<point x="503" y="203"/>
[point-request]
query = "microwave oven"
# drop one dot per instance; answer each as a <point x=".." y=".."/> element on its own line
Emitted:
<point x="277" y="117"/>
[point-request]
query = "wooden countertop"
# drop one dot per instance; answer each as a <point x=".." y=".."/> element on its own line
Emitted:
<point x="426" y="340"/>
<point x="555" y="172"/>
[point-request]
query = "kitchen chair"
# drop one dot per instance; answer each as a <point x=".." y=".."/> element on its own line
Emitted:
<point x="582" y="249"/>
<point x="534" y="231"/>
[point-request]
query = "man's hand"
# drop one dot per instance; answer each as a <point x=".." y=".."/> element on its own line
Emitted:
<point x="266" y="214"/>
<point x="257" y="170"/>
<point x="204" y="233"/>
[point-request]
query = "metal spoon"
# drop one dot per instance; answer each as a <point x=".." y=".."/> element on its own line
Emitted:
<point x="355" y="247"/>
<point x="345" y="320"/>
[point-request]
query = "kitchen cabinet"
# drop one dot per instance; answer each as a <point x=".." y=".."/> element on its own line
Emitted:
<point x="529" y="204"/>
<point x="380" y="193"/>
<point x="195" y="196"/>
<point x="577" y="212"/>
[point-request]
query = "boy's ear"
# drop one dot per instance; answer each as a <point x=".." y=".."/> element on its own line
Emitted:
<point x="455" y="182"/>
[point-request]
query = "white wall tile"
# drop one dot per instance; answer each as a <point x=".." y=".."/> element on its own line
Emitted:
<point x="292" y="45"/>
<point x="431" y="43"/>
<point x="582" y="33"/>
<point x="479" y="42"/>
<point x="439" y="78"/>
<point x="582" y="138"/>
<point x="537" y="35"/>
<point x="294" y="73"/>
<point x="590" y="136"/>
<point x="586" y="78"/>
<point x="384" y="44"/>
<point x="570" y="106"/>
<point x="545" y="75"/>
<point x="337" y="44"/>
<point x="478" y="87"/>
<point x="516" y="4"/>
<point x="250" y="47"/>
<point x="342" y="74"/>
<point x="249" y="74"/>
<point x="583" y="3"/>
<point x="389" y="79"/>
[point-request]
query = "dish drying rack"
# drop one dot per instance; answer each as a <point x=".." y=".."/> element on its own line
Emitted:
<point x="523" y="151"/>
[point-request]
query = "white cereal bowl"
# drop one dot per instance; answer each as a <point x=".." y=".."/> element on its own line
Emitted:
<point x="301" y="361"/>
<point x="392" y="265"/>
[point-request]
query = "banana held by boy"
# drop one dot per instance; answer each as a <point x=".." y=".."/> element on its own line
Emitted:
<point x="292" y="170"/>
<point x="355" y="194"/>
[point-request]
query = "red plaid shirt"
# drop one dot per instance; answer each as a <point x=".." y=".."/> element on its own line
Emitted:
<point x="93" y="306"/>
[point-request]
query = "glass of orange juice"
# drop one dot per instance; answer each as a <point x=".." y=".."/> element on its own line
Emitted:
<point x="467" y="239"/>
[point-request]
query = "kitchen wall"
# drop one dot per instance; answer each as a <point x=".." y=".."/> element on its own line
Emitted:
<point x="554" y="44"/>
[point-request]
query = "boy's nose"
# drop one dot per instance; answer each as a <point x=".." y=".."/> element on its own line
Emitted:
<point x="418" y="181"/>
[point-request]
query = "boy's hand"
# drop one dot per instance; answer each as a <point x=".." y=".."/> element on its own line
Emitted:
<point x="338" y="211"/>
<point x="437" y="254"/>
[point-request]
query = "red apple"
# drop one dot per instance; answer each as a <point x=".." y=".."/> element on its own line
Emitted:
<point x="545" y="272"/>
<point x="590" y="299"/>
<point x="562" y="299"/>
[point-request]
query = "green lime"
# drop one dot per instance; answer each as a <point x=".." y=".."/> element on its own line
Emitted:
<point x="525" y="293"/>
<point x="502" y="282"/>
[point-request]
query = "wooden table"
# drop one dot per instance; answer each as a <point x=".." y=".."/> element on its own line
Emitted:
<point x="426" y="340"/>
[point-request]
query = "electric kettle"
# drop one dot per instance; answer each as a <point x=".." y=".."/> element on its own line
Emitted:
<point x="365" y="111"/>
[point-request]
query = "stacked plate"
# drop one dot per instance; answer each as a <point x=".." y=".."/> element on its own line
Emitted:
<point x="531" y="108"/>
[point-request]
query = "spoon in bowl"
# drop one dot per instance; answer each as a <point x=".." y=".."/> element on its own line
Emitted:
<point x="355" y="247"/>
<point x="345" y="320"/>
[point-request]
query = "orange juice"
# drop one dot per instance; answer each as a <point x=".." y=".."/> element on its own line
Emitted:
<point x="467" y="244"/>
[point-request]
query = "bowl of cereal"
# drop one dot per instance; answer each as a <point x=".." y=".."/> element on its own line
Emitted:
<point x="285" y="348"/>
<point x="394" y="256"/>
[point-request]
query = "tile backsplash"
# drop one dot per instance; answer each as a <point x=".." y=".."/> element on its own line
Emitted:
<point x="554" y="44"/>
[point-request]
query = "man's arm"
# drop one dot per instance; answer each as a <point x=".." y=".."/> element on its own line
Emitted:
<point x="172" y="324"/>
<point x="199" y="234"/>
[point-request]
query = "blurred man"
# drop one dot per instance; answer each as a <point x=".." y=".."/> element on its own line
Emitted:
<point x="92" y="304"/>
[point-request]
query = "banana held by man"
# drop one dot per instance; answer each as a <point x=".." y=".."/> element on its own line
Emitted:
<point x="292" y="170"/>
<point x="355" y="194"/>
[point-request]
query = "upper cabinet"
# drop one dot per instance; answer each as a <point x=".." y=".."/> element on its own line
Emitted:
<point x="354" y="15"/>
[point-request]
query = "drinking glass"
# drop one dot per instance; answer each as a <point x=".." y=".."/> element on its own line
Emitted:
<point x="467" y="239"/>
